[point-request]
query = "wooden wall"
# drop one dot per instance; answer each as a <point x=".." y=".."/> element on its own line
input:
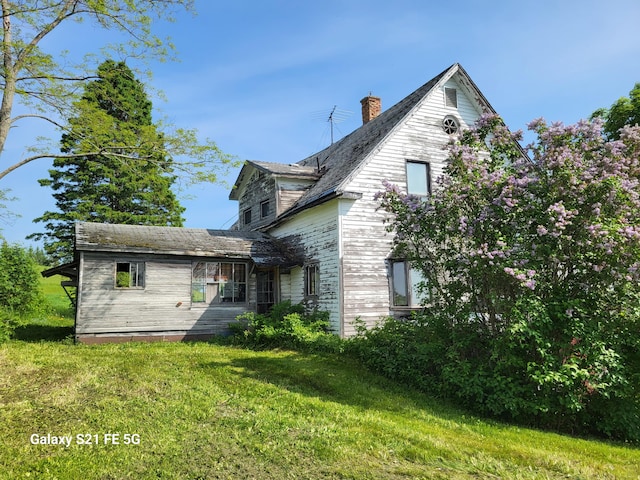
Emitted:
<point x="289" y="192"/>
<point x="162" y="308"/>
<point x="366" y="246"/>
<point x="261" y="187"/>
<point x="315" y="233"/>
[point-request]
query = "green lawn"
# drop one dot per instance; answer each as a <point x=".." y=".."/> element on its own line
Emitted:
<point x="206" y="411"/>
<point x="56" y="321"/>
<point x="212" y="411"/>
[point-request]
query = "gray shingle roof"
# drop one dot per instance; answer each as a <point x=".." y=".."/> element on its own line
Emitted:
<point x="295" y="170"/>
<point x="263" y="249"/>
<point x="339" y="160"/>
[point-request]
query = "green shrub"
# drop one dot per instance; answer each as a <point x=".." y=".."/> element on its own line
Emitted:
<point x="532" y="373"/>
<point x="532" y="277"/>
<point x="20" y="293"/>
<point x="286" y="326"/>
<point x="123" y="279"/>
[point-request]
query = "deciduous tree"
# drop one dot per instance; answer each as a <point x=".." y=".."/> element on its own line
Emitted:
<point x="47" y="83"/>
<point x="625" y="111"/>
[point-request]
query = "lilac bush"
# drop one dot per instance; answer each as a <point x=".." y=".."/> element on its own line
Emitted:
<point x="532" y="262"/>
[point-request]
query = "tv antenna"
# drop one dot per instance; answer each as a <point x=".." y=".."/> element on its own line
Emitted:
<point x="335" y="116"/>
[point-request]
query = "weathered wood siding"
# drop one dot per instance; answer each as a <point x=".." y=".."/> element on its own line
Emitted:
<point x="289" y="192"/>
<point x="260" y="188"/>
<point x="365" y="245"/>
<point x="162" y="307"/>
<point x="315" y="234"/>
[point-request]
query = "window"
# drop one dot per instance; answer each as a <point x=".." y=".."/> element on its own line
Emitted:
<point x="266" y="290"/>
<point x="311" y="280"/>
<point x="218" y="282"/>
<point x="405" y="282"/>
<point x="265" y="209"/>
<point x="418" y="178"/>
<point x="129" y="275"/>
<point x="246" y="216"/>
<point x="450" y="125"/>
<point x="450" y="97"/>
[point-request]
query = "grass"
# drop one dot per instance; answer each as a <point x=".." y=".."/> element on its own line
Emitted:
<point x="56" y="322"/>
<point x="207" y="411"/>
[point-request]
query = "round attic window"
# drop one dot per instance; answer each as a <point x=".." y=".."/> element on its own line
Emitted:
<point x="450" y="125"/>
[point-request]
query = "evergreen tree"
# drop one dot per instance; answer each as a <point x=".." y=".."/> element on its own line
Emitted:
<point x="109" y="188"/>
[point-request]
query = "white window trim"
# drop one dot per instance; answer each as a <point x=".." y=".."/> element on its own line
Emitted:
<point x="137" y="279"/>
<point x="448" y="103"/>
<point x="412" y="303"/>
<point x="428" y="174"/>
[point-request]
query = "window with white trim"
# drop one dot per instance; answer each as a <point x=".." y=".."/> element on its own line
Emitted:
<point x="450" y="97"/>
<point x="405" y="285"/>
<point x="218" y="282"/>
<point x="129" y="275"/>
<point x="418" y="178"/>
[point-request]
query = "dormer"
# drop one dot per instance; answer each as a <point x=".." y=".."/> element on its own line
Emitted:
<point x="266" y="190"/>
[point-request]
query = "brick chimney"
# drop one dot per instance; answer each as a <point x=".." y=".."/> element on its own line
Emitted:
<point x="371" y="107"/>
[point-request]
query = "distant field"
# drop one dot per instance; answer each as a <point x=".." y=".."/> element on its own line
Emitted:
<point x="56" y="322"/>
<point x="55" y="296"/>
<point x="207" y="411"/>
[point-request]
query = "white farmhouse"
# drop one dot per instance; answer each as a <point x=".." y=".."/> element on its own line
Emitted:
<point x="308" y="232"/>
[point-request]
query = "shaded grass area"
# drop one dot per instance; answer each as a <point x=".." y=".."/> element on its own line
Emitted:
<point x="55" y="322"/>
<point x="213" y="411"/>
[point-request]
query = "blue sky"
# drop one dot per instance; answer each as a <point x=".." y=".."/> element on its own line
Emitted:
<point x="260" y="77"/>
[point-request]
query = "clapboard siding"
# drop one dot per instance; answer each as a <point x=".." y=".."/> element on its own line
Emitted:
<point x="289" y="192"/>
<point x="262" y="189"/>
<point x="366" y="245"/>
<point x="315" y="233"/>
<point x="163" y="306"/>
<point x="322" y="210"/>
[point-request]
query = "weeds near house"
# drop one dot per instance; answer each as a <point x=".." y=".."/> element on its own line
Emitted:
<point x="286" y="326"/>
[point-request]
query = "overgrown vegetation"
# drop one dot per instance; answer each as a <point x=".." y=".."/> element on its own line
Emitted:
<point x="20" y="294"/>
<point x="533" y="279"/>
<point x="286" y="326"/>
<point x="215" y="411"/>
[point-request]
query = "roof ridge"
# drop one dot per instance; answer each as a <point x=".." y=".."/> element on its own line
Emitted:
<point x="344" y="156"/>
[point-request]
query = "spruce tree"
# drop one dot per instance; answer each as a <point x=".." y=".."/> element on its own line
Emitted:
<point x="111" y="188"/>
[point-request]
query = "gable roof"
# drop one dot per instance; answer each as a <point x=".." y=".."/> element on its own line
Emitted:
<point x="261" y="248"/>
<point x="294" y="170"/>
<point x="338" y="162"/>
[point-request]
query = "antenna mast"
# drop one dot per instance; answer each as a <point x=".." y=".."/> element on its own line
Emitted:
<point x="336" y="115"/>
<point x="331" y="121"/>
